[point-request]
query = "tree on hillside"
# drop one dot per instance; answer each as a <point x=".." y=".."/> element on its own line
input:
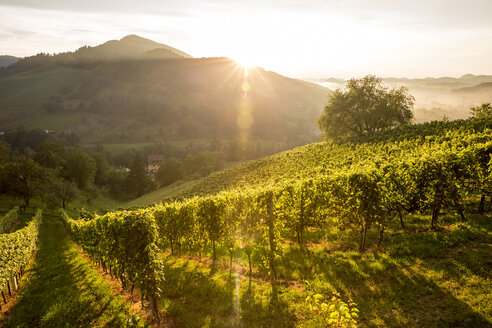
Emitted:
<point x="482" y="111"/>
<point x="62" y="191"/>
<point x="365" y="107"/>
<point x="169" y="171"/>
<point x="137" y="181"/>
<point x="24" y="177"/>
<point x="20" y="138"/>
<point x="80" y="168"/>
<point x="4" y="152"/>
<point x="102" y="168"/>
<point x="201" y="164"/>
<point x="50" y="154"/>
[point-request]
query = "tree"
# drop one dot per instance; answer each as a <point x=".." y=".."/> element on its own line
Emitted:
<point x="50" y="154"/>
<point x="80" y="168"/>
<point x="4" y="152"/>
<point x="169" y="171"/>
<point x="201" y="164"/>
<point x="102" y="168"/>
<point x="137" y="180"/>
<point x="116" y="179"/>
<point x="24" y="177"/>
<point x="62" y="190"/>
<point x="482" y="111"/>
<point x="365" y="107"/>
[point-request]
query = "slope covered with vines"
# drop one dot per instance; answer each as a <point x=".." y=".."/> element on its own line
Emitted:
<point x="327" y="157"/>
<point x="254" y="208"/>
<point x="16" y="250"/>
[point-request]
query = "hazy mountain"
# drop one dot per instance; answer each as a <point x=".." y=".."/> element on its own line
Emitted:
<point x="436" y="98"/>
<point x="7" y="60"/>
<point x="129" y="47"/>
<point x="127" y="91"/>
<point x="479" y="88"/>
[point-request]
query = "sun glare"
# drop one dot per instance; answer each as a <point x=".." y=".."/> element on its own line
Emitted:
<point x="246" y="62"/>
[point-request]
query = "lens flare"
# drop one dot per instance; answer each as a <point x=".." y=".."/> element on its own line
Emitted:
<point x="245" y="120"/>
<point x="245" y="86"/>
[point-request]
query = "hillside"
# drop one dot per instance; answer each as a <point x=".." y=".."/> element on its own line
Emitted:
<point x="129" y="47"/>
<point x="345" y="224"/>
<point x="296" y="218"/>
<point x="317" y="158"/>
<point x="7" y="60"/>
<point x="484" y="87"/>
<point x="137" y="90"/>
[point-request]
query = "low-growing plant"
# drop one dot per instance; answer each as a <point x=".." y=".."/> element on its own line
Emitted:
<point x="333" y="312"/>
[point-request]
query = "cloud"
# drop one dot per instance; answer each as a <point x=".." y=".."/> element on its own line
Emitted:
<point x="168" y="8"/>
<point x="294" y="37"/>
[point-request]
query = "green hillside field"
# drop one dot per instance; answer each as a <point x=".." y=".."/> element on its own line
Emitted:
<point x="317" y="158"/>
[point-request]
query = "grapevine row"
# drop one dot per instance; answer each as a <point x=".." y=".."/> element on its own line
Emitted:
<point x="16" y="250"/>
<point x="125" y="243"/>
<point x="8" y="221"/>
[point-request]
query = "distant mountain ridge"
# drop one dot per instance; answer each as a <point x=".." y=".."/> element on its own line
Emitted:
<point x="482" y="87"/>
<point x="129" y="47"/>
<point x="6" y="60"/>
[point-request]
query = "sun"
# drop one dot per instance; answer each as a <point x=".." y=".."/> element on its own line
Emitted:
<point x="246" y="62"/>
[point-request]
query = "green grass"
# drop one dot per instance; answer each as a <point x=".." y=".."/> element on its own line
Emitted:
<point x="157" y="196"/>
<point x="198" y="295"/>
<point x="27" y="91"/>
<point x="99" y="204"/>
<point x="63" y="290"/>
<point x="425" y="279"/>
<point x="57" y="122"/>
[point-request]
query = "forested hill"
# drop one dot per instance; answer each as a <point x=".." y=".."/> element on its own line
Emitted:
<point x="399" y="146"/>
<point x="6" y="60"/>
<point x="137" y="90"/>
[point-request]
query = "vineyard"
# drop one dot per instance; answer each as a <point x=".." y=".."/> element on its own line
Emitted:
<point x="342" y="235"/>
<point x="16" y="249"/>
<point x="327" y="158"/>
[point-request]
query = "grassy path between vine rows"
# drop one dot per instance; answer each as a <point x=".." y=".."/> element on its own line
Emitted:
<point x="63" y="290"/>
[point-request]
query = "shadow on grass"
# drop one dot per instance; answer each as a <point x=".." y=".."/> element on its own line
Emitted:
<point x="258" y="312"/>
<point x="423" y="280"/>
<point x="62" y="290"/>
<point x="197" y="295"/>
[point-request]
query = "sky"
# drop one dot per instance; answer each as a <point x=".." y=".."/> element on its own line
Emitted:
<point x="317" y="38"/>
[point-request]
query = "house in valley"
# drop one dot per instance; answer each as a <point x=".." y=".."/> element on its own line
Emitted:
<point x="153" y="163"/>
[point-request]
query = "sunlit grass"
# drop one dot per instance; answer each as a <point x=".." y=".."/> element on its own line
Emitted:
<point x="424" y="279"/>
<point x="63" y="290"/>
